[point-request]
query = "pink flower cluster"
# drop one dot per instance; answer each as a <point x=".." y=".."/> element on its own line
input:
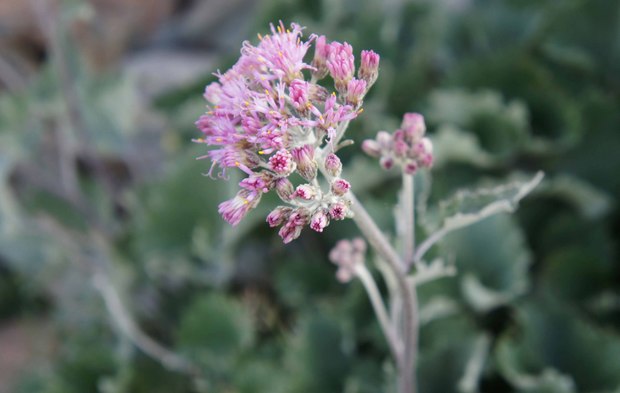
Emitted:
<point x="269" y="117"/>
<point x="347" y="254"/>
<point x="406" y="147"/>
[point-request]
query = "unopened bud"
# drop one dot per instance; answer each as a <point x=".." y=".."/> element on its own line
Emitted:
<point x="333" y="165"/>
<point x="290" y="232"/>
<point x="338" y="211"/>
<point x="317" y="93"/>
<point x="278" y="215"/>
<point x="340" y="187"/>
<point x="284" y="188"/>
<point x="384" y="139"/>
<point x="414" y="127"/>
<point x="282" y="162"/>
<point x="306" y="192"/>
<point x="386" y="163"/>
<point x="319" y="220"/>
<point x="410" y="167"/>
<point x="371" y="147"/>
<point x="304" y="158"/>
<point x="369" y="68"/>
<point x="298" y="91"/>
<point x="356" y="89"/>
<point x="341" y="65"/>
<point x="321" y="53"/>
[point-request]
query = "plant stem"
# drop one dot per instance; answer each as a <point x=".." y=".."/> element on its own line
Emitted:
<point x="407" y="357"/>
<point x="407" y="205"/>
<point x="377" y="303"/>
<point x="129" y="329"/>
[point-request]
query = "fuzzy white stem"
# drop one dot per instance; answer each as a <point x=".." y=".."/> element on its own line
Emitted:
<point x="129" y="329"/>
<point x="377" y="303"/>
<point x="407" y="205"/>
<point x="376" y="238"/>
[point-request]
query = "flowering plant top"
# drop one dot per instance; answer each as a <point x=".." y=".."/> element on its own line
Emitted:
<point x="269" y="117"/>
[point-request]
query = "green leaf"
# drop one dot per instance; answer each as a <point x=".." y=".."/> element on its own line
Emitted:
<point x="317" y="356"/>
<point x="450" y="144"/>
<point x="215" y="330"/>
<point x="492" y="261"/>
<point x="590" y="202"/>
<point x="469" y="207"/>
<point x="446" y="347"/>
<point x="501" y="128"/>
<point x="554" y="346"/>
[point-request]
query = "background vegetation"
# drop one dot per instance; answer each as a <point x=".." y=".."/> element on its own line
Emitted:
<point x="101" y="200"/>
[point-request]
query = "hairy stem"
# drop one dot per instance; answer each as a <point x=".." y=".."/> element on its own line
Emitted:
<point x="407" y="206"/>
<point x="129" y="329"/>
<point x="376" y="238"/>
<point x="377" y="303"/>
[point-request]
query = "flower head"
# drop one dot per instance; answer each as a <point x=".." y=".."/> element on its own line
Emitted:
<point x="269" y="118"/>
<point x="341" y="64"/>
<point x="235" y="209"/>
<point x="347" y="255"/>
<point x="369" y="69"/>
<point x="407" y="146"/>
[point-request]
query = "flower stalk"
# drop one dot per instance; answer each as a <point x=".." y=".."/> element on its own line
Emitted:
<point x="406" y="359"/>
<point x="408" y="217"/>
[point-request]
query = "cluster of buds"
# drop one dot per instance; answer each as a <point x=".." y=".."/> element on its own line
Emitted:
<point x="347" y="254"/>
<point x="407" y="147"/>
<point x="269" y="117"/>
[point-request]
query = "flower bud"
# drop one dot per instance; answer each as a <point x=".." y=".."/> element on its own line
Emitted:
<point x="359" y="245"/>
<point x="317" y="93"/>
<point x="319" y="220"/>
<point x="384" y="139"/>
<point x="428" y="145"/>
<point x="386" y="163"/>
<point x="338" y="211"/>
<point x="423" y="152"/>
<point x="278" y="215"/>
<point x="414" y="127"/>
<point x="340" y="187"/>
<point x="321" y="53"/>
<point x="289" y="232"/>
<point x="371" y="147"/>
<point x="410" y="167"/>
<point x="356" y="89"/>
<point x="235" y="209"/>
<point x="257" y="182"/>
<point x="284" y="188"/>
<point x="299" y="216"/>
<point x="298" y="91"/>
<point x="347" y="255"/>
<point x="427" y="160"/>
<point x="333" y="166"/>
<point x="341" y="65"/>
<point x="399" y="146"/>
<point x="306" y="192"/>
<point x="304" y="158"/>
<point x="282" y="162"/>
<point x="369" y="67"/>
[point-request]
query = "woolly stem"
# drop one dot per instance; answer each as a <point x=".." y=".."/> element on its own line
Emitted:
<point x="407" y="357"/>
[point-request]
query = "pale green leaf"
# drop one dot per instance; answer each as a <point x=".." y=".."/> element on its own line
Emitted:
<point x="469" y="207"/>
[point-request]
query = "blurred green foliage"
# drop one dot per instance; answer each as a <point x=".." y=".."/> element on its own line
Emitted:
<point x="506" y="87"/>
